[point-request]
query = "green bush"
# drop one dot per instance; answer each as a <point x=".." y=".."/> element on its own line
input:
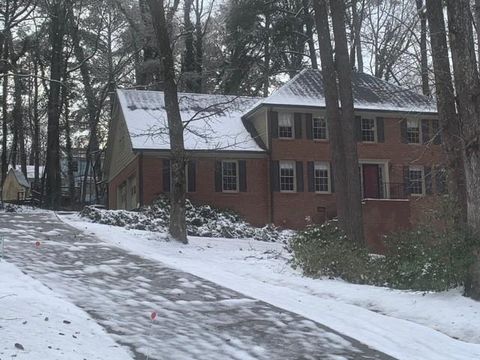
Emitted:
<point x="428" y="259"/>
<point x="325" y="251"/>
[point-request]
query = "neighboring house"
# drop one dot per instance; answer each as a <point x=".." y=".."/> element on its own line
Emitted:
<point x="31" y="173"/>
<point x="15" y="187"/>
<point x="269" y="159"/>
<point x="79" y="164"/>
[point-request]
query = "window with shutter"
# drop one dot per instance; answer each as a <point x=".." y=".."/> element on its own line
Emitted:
<point x="369" y="130"/>
<point x="320" y="131"/>
<point x="321" y="177"/>
<point x="413" y="131"/>
<point x="230" y="176"/>
<point x="285" y="125"/>
<point x="287" y="176"/>
<point x="416" y="179"/>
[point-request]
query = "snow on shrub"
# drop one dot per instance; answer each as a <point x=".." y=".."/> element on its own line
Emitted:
<point x="202" y="220"/>
<point x="324" y="250"/>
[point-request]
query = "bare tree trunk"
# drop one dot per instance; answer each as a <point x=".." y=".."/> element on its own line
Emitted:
<point x="18" y="143"/>
<point x="309" y="33"/>
<point x="357" y="20"/>
<point x="17" y="115"/>
<point x="177" y="227"/>
<point x="188" y="61"/>
<point x="36" y="128"/>
<point x="266" y="62"/>
<point x="340" y="122"/>
<point x="5" y="110"/>
<point x="353" y="207"/>
<point x="423" y="48"/>
<point x="449" y="122"/>
<point x="57" y="34"/>
<point x="199" y="34"/>
<point x="68" y="151"/>
<point x="150" y="54"/>
<point x="67" y="131"/>
<point x="477" y="21"/>
<point x="93" y="146"/>
<point x="467" y="85"/>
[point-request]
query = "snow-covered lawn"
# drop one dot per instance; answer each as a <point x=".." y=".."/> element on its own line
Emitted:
<point x="406" y="325"/>
<point x="32" y="317"/>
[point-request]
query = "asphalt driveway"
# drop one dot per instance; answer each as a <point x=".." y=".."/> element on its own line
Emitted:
<point x="197" y="319"/>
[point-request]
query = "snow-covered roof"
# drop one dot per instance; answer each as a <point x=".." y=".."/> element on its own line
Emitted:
<point x="369" y="92"/>
<point x="20" y="178"/>
<point x="213" y="122"/>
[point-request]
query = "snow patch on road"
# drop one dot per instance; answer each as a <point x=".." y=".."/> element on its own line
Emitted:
<point x="46" y="326"/>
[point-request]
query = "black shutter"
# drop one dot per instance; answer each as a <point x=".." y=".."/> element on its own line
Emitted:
<point x="166" y="175"/>
<point x="380" y="130"/>
<point x="192" y="176"/>
<point x="406" y="180"/>
<point x="403" y="131"/>
<point x="298" y="125"/>
<point x="428" y="180"/>
<point x="274" y="124"/>
<point x="309" y="126"/>
<point x="218" y="176"/>
<point x="242" y="173"/>
<point x="358" y="128"/>
<point x="332" y="178"/>
<point x="436" y="132"/>
<point x="440" y="180"/>
<point x="425" y="131"/>
<point x="299" y="173"/>
<point x="275" y="175"/>
<point x="311" y="176"/>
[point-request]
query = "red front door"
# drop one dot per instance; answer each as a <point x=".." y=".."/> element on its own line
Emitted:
<point x="371" y="188"/>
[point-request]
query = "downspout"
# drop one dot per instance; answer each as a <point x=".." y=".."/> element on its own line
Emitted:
<point x="269" y="167"/>
<point x="140" y="178"/>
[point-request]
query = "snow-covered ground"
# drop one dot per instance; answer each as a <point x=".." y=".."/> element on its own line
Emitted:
<point x="406" y="325"/>
<point x="34" y="318"/>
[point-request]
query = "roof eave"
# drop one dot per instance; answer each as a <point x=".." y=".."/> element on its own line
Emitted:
<point x="297" y="106"/>
<point x="226" y="151"/>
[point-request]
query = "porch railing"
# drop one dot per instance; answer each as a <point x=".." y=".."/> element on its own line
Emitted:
<point x="390" y="191"/>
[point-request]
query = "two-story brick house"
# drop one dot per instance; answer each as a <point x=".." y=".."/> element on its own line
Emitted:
<point x="269" y="159"/>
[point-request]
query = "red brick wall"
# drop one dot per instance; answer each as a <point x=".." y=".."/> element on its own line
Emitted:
<point x="382" y="217"/>
<point x="152" y="178"/>
<point x="291" y="210"/>
<point x="295" y="210"/>
<point x="252" y="204"/>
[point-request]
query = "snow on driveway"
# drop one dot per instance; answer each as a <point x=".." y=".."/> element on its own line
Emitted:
<point x="197" y="319"/>
<point x="406" y="325"/>
<point x="36" y="324"/>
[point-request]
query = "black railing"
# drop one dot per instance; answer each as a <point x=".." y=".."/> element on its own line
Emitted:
<point x="388" y="191"/>
<point x="396" y="190"/>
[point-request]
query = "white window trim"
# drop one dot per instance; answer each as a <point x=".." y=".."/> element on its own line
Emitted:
<point x="327" y="165"/>
<point x="292" y="120"/>
<point x="420" y="134"/>
<point x="385" y="174"/>
<point x="422" y="169"/>
<point x="238" y="177"/>
<point x="326" y="128"/>
<point x="283" y="162"/>
<point x="375" y="130"/>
